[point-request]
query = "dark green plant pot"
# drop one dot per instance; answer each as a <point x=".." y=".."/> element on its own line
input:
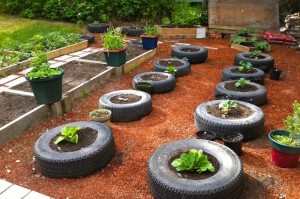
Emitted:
<point x="144" y="86"/>
<point x="48" y="90"/>
<point x="281" y="147"/>
<point x="115" y="57"/>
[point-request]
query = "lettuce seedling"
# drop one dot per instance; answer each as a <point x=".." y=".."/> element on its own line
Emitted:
<point x="68" y="134"/>
<point x="241" y="82"/>
<point x="245" y="66"/>
<point x="193" y="160"/>
<point x="171" y="70"/>
<point x="226" y="106"/>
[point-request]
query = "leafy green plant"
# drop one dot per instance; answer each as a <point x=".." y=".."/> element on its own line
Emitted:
<point x="99" y="113"/>
<point x="151" y="30"/>
<point x="238" y="40"/>
<point x="262" y="45"/>
<point x="113" y="39"/>
<point x="41" y="68"/>
<point x="184" y="13"/>
<point x="227" y="105"/>
<point x="256" y="54"/>
<point x="166" y="20"/>
<point x="171" y="70"/>
<point x="194" y="160"/>
<point x="292" y="125"/>
<point x="245" y="66"/>
<point x="12" y="57"/>
<point x="241" y="83"/>
<point x="68" y="134"/>
<point x="244" y="32"/>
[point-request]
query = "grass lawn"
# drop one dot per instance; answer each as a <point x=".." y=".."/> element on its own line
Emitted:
<point x="13" y="28"/>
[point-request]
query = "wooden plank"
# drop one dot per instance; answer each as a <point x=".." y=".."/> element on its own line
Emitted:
<point x="236" y="14"/>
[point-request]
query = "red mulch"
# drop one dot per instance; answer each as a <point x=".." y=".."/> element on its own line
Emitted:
<point x="171" y="119"/>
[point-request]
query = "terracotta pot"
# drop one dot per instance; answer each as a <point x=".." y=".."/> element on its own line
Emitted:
<point x="234" y="141"/>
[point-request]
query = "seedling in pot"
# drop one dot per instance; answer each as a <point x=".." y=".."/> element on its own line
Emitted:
<point x="241" y="83"/>
<point x="194" y="160"/>
<point x="227" y="105"/>
<point x="171" y="70"/>
<point x="151" y="30"/>
<point x="245" y="66"/>
<point x="292" y="125"/>
<point x="68" y="134"/>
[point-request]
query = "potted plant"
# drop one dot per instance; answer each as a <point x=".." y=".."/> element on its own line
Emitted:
<point x="115" y="49"/>
<point x="97" y="27"/>
<point x="100" y="115"/>
<point x="285" y="143"/>
<point x="150" y="37"/>
<point x="45" y="82"/>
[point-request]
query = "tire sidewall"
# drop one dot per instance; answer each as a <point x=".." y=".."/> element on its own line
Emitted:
<point x="264" y="64"/>
<point x="181" y="70"/>
<point x="193" y="57"/>
<point x="257" y="77"/>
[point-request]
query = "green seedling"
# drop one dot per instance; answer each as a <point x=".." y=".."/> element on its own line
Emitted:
<point x="256" y="54"/>
<point x="194" y="160"/>
<point x="245" y="66"/>
<point x="241" y="83"/>
<point x="171" y="70"/>
<point x="227" y="105"/>
<point x="68" y="134"/>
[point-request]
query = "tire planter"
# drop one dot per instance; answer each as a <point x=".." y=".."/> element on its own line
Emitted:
<point x="89" y="38"/>
<point x="127" y="112"/>
<point x="257" y="97"/>
<point x="258" y="76"/>
<point x="162" y="86"/>
<point x="181" y="70"/>
<point x="265" y="64"/>
<point x="167" y="184"/>
<point x="250" y="127"/>
<point x="77" y="163"/>
<point x="97" y="28"/>
<point x="194" y="54"/>
<point x="132" y="31"/>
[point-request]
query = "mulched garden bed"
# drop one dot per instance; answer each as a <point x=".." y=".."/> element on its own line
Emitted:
<point x="172" y="118"/>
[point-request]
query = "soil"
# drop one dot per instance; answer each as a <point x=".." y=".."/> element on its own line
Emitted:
<point x="12" y="106"/>
<point x="236" y="70"/>
<point x="174" y="63"/>
<point x="73" y="75"/>
<point x="247" y="88"/>
<point x="125" y="99"/>
<point x="187" y="49"/>
<point x="86" y="136"/>
<point x="194" y="175"/>
<point x="154" y="77"/>
<point x="171" y="119"/>
<point x="241" y="112"/>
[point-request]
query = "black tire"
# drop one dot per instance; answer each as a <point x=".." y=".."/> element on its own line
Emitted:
<point x="127" y="112"/>
<point x="199" y="55"/>
<point x="89" y="38"/>
<point x="258" y="76"/>
<point x="77" y="163"/>
<point x="132" y="31"/>
<point x="97" y="28"/>
<point x="181" y="70"/>
<point x="257" y="97"/>
<point x="166" y="184"/>
<point x="264" y="64"/>
<point x="162" y="86"/>
<point x="251" y="127"/>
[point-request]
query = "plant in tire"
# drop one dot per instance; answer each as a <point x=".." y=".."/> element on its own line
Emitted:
<point x="193" y="160"/>
<point x="68" y="134"/>
<point x="227" y="105"/>
<point x="245" y="66"/>
<point x="241" y="83"/>
<point x="171" y="70"/>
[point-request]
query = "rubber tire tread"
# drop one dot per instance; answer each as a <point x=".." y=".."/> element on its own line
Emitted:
<point x="162" y="86"/>
<point x="199" y="56"/>
<point x="257" y="77"/>
<point x="132" y="32"/>
<point x="127" y="112"/>
<point x="250" y="127"/>
<point x="264" y="64"/>
<point x="181" y="70"/>
<point x="226" y="183"/>
<point x="78" y="163"/>
<point x="257" y="97"/>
